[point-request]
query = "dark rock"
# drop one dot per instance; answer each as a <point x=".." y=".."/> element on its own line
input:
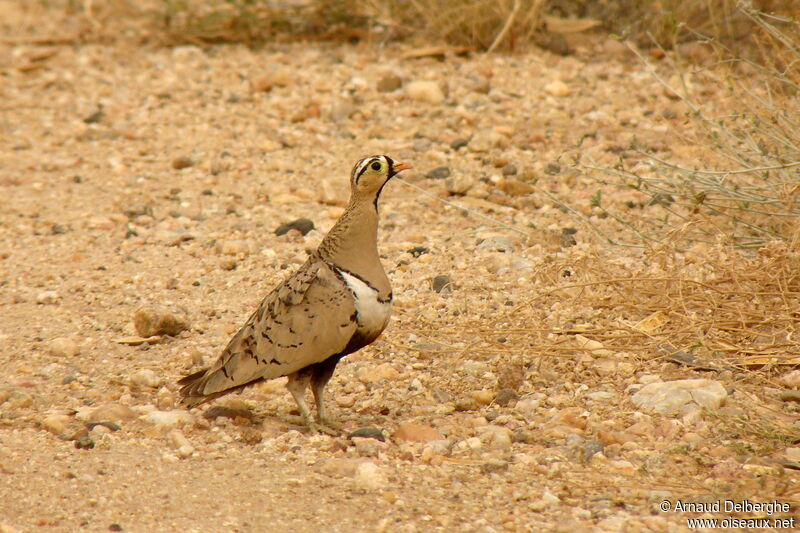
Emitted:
<point x="568" y="237"/>
<point x="790" y="396"/>
<point x="441" y="283"/>
<point x="509" y="170"/>
<point x="418" y="251"/>
<point x="504" y="396"/>
<point x="389" y="83"/>
<point x="459" y="143"/>
<point x="115" y="527"/>
<point x="466" y="404"/>
<point x="95" y="117"/>
<point x="591" y="447"/>
<point x="438" y="173"/>
<point x="554" y="42"/>
<point x="494" y="466"/>
<point x="139" y="210"/>
<point x="369" y="432"/>
<point x="522" y="435"/>
<point x="57" y="229"/>
<point x="227" y="412"/>
<point x="110" y="425"/>
<point x="84" y="442"/>
<point x="303" y="225"/>
<point x="182" y="162"/>
<point x="552" y="169"/>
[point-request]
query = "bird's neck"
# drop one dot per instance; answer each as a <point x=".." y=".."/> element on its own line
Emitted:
<point x="352" y="243"/>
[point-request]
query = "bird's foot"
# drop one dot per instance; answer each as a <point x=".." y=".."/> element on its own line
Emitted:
<point x="326" y="427"/>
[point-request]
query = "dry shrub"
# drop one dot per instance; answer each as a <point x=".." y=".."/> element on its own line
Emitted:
<point x="668" y="22"/>
<point x="750" y="196"/>
<point x="478" y="24"/>
<point x="726" y="309"/>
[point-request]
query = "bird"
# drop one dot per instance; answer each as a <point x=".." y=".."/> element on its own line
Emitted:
<point x="336" y="303"/>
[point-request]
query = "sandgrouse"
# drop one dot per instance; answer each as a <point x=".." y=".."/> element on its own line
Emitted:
<point x="337" y="302"/>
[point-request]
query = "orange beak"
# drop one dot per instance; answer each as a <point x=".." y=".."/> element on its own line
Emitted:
<point x="397" y="167"/>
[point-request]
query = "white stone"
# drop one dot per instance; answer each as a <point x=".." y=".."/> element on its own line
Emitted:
<point x="496" y="437"/>
<point x="460" y="183"/>
<point x="527" y="407"/>
<point x="487" y="140"/>
<point x="47" y="297"/>
<point x="145" y="378"/>
<point x="677" y="397"/>
<point x="63" y="347"/>
<point x="168" y="419"/>
<point x="548" y="499"/>
<point x="557" y="88"/>
<point x="374" y="374"/>
<point x="425" y="91"/>
<point x="369" y="476"/>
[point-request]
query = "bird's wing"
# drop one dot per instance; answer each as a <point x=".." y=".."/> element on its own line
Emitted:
<point x="304" y="320"/>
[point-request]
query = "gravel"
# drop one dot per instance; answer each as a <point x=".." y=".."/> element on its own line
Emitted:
<point x="270" y="135"/>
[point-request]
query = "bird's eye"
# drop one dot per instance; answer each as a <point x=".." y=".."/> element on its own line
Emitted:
<point x="376" y="166"/>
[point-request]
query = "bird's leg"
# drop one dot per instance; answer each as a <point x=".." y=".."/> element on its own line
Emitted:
<point x="319" y="378"/>
<point x="297" y="384"/>
<point x="322" y="419"/>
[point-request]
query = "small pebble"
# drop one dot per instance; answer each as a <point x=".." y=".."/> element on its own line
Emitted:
<point x="487" y="140"/>
<point x="111" y="412"/>
<point x="389" y="83"/>
<point x="169" y="419"/>
<point x="425" y="91"/>
<point x="47" y="297"/>
<point x="441" y="283"/>
<point x="509" y="170"/>
<point x="410" y="432"/>
<point x="504" y="396"/>
<point x="438" y="173"/>
<point x="63" y="347"/>
<point x="591" y="447"/>
<point x="421" y="145"/>
<point x="557" y="88"/>
<point x="182" y="162"/>
<point x="374" y="374"/>
<point x="145" y="378"/>
<point x="459" y="185"/>
<point x="552" y="169"/>
<point x="497" y="465"/>
<point x="496" y="244"/>
<point x="156" y="320"/>
<point x="459" y="143"/>
<point x="369" y="476"/>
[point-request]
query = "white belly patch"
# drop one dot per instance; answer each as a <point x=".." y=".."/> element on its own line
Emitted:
<point x="372" y="314"/>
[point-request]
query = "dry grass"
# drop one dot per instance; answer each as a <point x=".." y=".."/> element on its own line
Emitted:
<point x="478" y="24"/>
<point x="750" y="196"/>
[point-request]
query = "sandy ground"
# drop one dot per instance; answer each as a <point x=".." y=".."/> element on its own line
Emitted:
<point x="137" y="176"/>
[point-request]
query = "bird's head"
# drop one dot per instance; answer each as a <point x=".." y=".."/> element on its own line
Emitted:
<point x="371" y="173"/>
